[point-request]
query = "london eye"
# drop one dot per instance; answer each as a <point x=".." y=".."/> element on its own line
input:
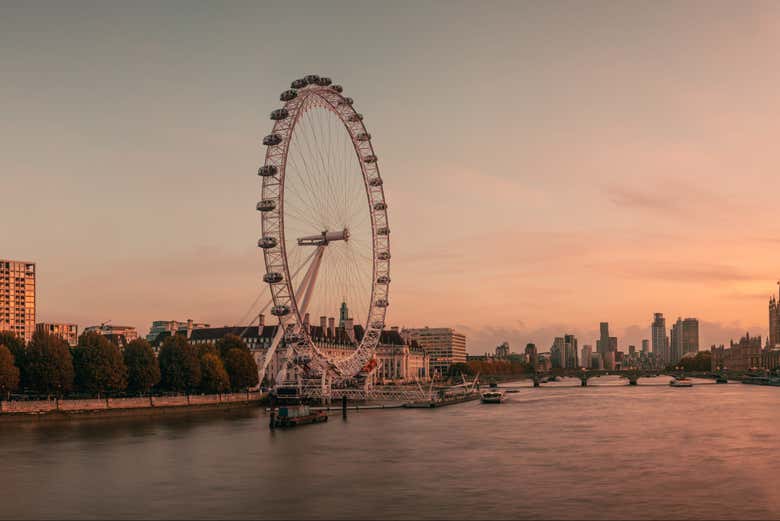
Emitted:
<point x="325" y="234"/>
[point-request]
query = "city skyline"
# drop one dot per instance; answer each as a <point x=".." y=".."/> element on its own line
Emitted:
<point x="141" y="153"/>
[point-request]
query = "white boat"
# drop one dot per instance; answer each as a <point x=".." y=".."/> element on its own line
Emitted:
<point x="681" y="382"/>
<point x="492" y="396"/>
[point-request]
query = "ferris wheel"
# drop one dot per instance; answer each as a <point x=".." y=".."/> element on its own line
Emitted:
<point x="325" y="234"/>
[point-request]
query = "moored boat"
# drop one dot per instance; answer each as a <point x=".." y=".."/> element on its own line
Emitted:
<point x="492" y="396"/>
<point x="681" y="382"/>
<point x="293" y="410"/>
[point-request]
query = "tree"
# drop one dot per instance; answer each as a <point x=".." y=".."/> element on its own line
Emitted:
<point x="214" y="378"/>
<point x="460" y="369"/>
<point x="48" y="364"/>
<point x="241" y="368"/>
<point x="143" y="371"/>
<point x="179" y="364"/>
<point x="9" y="373"/>
<point x="98" y="365"/>
<point x="228" y="342"/>
<point x="16" y="345"/>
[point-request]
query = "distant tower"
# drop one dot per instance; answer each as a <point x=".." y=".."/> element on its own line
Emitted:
<point x="774" y="321"/>
<point x="343" y="314"/>
<point x="660" y="340"/>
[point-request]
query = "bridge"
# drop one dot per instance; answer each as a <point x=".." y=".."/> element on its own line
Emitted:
<point x="630" y="374"/>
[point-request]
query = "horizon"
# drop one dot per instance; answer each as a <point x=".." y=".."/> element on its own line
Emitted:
<point x="631" y="170"/>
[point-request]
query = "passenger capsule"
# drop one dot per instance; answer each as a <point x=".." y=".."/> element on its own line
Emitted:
<point x="377" y="325"/>
<point x="363" y="136"/>
<point x="337" y="88"/>
<point x="288" y="95"/>
<point x="382" y="303"/>
<point x="370" y="158"/>
<point x="373" y="333"/>
<point x="272" y="139"/>
<point x="267" y="171"/>
<point x="267" y="242"/>
<point x="311" y="79"/>
<point x="383" y="231"/>
<point x="346" y="101"/>
<point x="272" y="277"/>
<point x="377" y="181"/>
<point x="383" y="255"/>
<point x="279" y="114"/>
<point x="383" y="279"/>
<point x="355" y="117"/>
<point x="380" y="206"/>
<point x="299" y="83"/>
<point x="323" y="81"/>
<point x="266" y="205"/>
<point x="280" y="311"/>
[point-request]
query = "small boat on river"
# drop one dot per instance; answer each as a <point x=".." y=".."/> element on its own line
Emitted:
<point x="681" y="382"/>
<point x="492" y="396"/>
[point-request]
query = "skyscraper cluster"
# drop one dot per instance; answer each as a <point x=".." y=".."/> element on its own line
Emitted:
<point x="683" y="338"/>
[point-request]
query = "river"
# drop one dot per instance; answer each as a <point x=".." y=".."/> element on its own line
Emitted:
<point x="608" y="451"/>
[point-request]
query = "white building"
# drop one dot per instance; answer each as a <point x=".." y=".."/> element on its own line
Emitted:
<point x="444" y="346"/>
<point x="165" y="328"/>
<point x="396" y="361"/>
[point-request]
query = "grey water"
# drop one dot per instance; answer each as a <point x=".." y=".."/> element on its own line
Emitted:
<point x="608" y="451"/>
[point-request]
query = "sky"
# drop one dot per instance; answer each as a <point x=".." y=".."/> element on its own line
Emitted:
<point x="547" y="165"/>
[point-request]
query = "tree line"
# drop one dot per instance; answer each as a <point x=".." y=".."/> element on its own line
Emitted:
<point x="47" y="365"/>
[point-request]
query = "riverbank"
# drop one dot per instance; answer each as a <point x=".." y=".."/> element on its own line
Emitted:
<point x="148" y="405"/>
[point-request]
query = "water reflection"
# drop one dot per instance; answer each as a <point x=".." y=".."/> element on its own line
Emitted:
<point x="606" y="451"/>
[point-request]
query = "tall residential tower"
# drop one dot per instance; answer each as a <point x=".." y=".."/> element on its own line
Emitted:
<point x="17" y="298"/>
<point x="659" y="338"/>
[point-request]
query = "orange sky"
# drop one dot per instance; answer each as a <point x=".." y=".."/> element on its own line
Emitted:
<point x="547" y="165"/>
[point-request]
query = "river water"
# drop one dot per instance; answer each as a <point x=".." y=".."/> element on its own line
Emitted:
<point x="604" y="452"/>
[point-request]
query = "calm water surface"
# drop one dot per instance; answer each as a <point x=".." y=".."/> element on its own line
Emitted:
<point x="606" y="451"/>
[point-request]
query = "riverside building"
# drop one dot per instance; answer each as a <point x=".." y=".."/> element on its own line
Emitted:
<point x="17" y="298"/>
<point x="67" y="332"/>
<point x="397" y="361"/>
<point x="164" y="328"/>
<point x="443" y="345"/>
<point x="119" y="335"/>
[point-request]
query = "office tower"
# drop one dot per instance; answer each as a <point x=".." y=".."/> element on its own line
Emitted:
<point x="645" y="346"/>
<point x="606" y="345"/>
<point x="586" y="358"/>
<point x="660" y="340"/>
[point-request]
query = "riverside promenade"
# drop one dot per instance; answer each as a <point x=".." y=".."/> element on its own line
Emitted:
<point x="20" y="409"/>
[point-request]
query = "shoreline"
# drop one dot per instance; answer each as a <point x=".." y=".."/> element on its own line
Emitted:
<point x="54" y="410"/>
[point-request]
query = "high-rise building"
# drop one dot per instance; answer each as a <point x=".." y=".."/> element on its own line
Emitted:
<point x="684" y="339"/>
<point x="67" y="332"/>
<point x="645" y="346"/>
<point x="17" y="298"/>
<point x="570" y="354"/>
<point x="558" y="352"/>
<point x="502" y="351"/>
<point x="605" y="345"/>
<point x="587" y="355"/>
<point x="444" y="346"/>
<point x="660" y="340"/>
<point x="531" y="355"/>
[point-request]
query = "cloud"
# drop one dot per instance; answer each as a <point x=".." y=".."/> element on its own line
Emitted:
<point x="643" y="200"/>
<point x="675" y="272"/>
